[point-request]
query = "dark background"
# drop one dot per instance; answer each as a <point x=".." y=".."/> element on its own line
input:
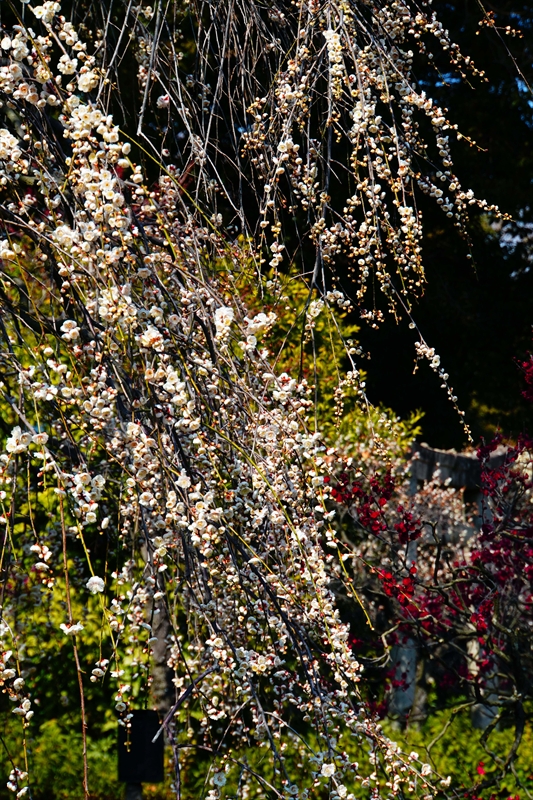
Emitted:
<point x="477" y="313"/>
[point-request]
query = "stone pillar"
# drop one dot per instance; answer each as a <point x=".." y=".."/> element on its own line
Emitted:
<point x="404" y="658"/>
<point x="459" y="471"/>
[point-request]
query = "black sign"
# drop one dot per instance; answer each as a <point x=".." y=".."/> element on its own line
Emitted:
<point x="141" y="760"/>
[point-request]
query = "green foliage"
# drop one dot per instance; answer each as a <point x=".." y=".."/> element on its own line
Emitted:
<point x="55" y="760"/>
<point x="55" y="757"/>
<point x="448" y="741"/>
<point x="57" y="763"/>
<point x="317" y="341"/>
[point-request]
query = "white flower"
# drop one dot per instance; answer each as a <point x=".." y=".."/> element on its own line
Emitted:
<point x="259" y="322"/>
<point x="18" y="46"/>
<point x="47" y="11"/>
<point x="67" y="65"/>
<point x="15" y="778"/>
<point x="183" y="481"/>
<point x="71" y="630"/>
<point x="9" y="149"/>
<point x="18" y="442"/>
<point x="40" y="438"/>
<point x="315" y="307"/>
<point x="87" y="81"/>
<point x="5" y="674"/>
<point x="223" y="319"/>
<point x="333" y="42"/>
<point x="6" y="251"/>
<point x="95" y="584"/>
<point x="327" y="770"/>
<point x="65" y="236"/>
<point x="151" y="338"/>
<point x="70" y="330"/>
<point x="146" y="498"/>
<point x="163" y="101"/>
<point x="219" y="779"/>
<point x="68" y="34"/>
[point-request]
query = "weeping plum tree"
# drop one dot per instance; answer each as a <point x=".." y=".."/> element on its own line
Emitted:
<point x="166" y="489"/>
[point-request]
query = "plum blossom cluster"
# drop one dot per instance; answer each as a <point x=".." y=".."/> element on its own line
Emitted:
<point x="212" y="477"/>
<point x="14" y="687"/>
<point x="143" y="419"/>
<point x="354" y="70"/>
<point x="423" y="351"/>
<point x="172" y="482"/>
<point x="376" y="114"/>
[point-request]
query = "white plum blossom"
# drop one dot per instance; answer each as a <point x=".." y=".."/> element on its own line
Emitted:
<point x="87" y="81"/>
<point x="67" y="65"/>
<point x="47" y="11"/>
<point x="9" y="146"/>
<point x="65" y="236"/>
<point x="146" y="499"/>
<point x="315" y="308"/>
<point x="16" y="777"/>
<point x="224" y="316"/>
<point x="18" y="441"/>
<point x="333" y="41"/>
<point x="151" y="338"/>
<point x="259" y="323"/>
<point x="183" y="481"/>
<point x="70" y="330"/>
<point x="71" y="629"/>
<point x="6" y="251"/>
<point x="95" y="584"/>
